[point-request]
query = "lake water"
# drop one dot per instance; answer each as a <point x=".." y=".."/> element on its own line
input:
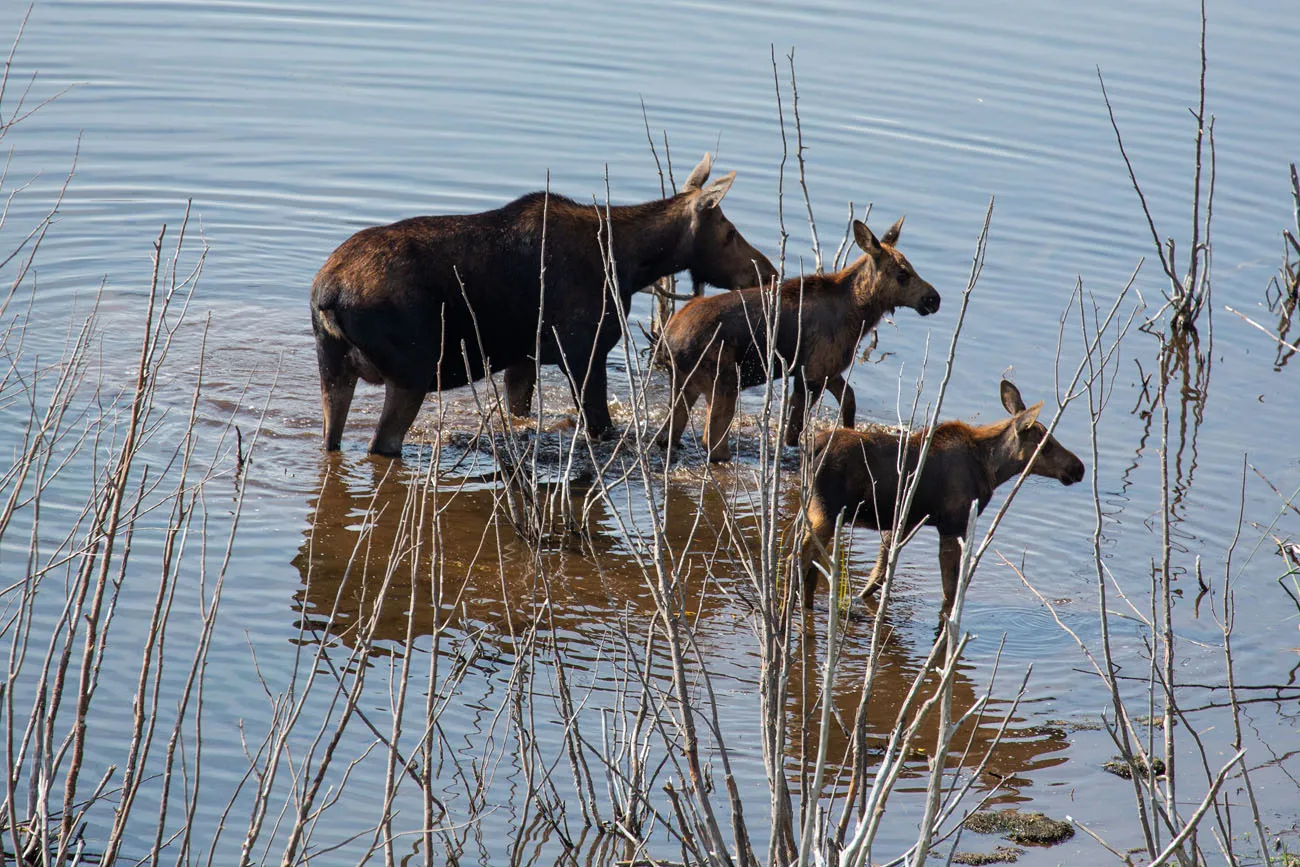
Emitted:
<point x="291" y="126"/>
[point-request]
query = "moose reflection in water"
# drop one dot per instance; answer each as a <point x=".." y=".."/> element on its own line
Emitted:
<point x="472" y="570"/>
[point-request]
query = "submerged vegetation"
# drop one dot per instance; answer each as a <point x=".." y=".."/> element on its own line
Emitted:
<point x="612" y="740"/>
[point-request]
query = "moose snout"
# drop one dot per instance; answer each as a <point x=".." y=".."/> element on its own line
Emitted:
<point x="929" y="303"/>
<point x="763" y="269"/>
<point x="1073" y="472"/>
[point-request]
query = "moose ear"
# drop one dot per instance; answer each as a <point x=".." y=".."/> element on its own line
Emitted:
<point x="1025" y="420"/>
<point x="712" y="195"/>
<point x="1011" y="398"/>
<point x="891" y="237"/>
<point x="866" y="240"/>
<point x="699" y="174"/>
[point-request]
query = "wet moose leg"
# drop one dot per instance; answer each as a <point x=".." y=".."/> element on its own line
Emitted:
<point x="803" y="399"/>
<point x="882" y="561"/>
<point x="722" y="410"/>
<point x="683" y="398"/>
<point x="338" y="382"/>
<point x="844" y="396"/>
<point x="798" y="405"/>
<point x="401" y="406"/>
<point x="520" y="380"/>
<point x="817" y="539"/>
<point x="949" y="565"/>
<point x="594" y="399"/>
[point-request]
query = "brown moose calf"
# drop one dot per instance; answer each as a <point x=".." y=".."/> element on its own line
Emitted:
<point x="857" y="476"/>
<point x="718" y="345"/>
<point x="436" y="302"/>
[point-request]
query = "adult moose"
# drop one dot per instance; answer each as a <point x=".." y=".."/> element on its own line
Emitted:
<point x="717" y="345"/>
<point x="430" y="303"/>
<point x="857" y="476"/>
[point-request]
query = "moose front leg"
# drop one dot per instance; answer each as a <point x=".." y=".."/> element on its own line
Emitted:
<point x="593" y="397"/>
<point x="722" y="411"/>
<point x="844" y="396"/>
<point x="520" y="380"/>
<point x="949" y="566"/>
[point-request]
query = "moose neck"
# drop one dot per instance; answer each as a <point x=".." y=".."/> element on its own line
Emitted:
<point x="864" y="284"/>
<point x="650" y="240"/>
<point x="1000" y="462"/>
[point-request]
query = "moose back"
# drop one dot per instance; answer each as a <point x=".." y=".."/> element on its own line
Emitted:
<point x="430" y="303"/>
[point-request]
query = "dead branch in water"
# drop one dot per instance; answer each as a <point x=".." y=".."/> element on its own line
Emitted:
<point x="1188" y="291"/>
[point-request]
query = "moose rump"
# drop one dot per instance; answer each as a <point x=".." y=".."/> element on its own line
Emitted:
<point x="431" y="303"/>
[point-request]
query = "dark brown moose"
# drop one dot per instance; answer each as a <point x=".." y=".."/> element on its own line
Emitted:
<point x="431" y="303"/>
<point x="857" y="476"/>
<point x="717" y="345"/>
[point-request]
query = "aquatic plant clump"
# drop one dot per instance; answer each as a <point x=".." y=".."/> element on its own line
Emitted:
<point x="1020" y="827"/>
<point x="1121" y="768"/>
<point x="1000" y="855"/>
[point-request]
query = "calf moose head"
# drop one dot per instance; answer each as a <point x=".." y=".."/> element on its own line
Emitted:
<point x="892" y="281"/>
<point x="1024" y="434"/>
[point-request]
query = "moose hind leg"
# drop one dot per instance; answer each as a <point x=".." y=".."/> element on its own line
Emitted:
<point x="401" y="406"/>
<point x="949" y="566"/>
<point x="520" y="380"/>
<point x="338" y="382"/>
<point x="882" y="563"/>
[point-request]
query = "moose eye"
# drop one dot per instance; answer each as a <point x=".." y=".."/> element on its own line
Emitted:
<point x="731" y="234"/>
<point x="902" y="276"/>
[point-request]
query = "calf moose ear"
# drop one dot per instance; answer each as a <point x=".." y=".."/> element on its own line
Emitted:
<point x="891" y="236"/>
<point x="1011" y="398"/>
<point x="1025" y="420"/>
<point x="699" y="174"/>
<point x="865" y="238"/>
<point x="712" y="195"/>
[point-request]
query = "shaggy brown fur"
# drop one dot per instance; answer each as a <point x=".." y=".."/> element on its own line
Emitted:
<point x="857" y="476"/>
<point x="717" y="345"/>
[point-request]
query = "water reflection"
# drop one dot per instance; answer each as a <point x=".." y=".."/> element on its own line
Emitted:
<point x="450" y="549"/>
<point x="1284" y="307"/>
<point x="447" y="556"/>
<point x="1013" y="754"/>
<point x="1284" y="289"/>
<point x="1182" y="366"/>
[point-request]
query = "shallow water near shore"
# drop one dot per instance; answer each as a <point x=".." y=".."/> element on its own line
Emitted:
<point x="289" y="127"/>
